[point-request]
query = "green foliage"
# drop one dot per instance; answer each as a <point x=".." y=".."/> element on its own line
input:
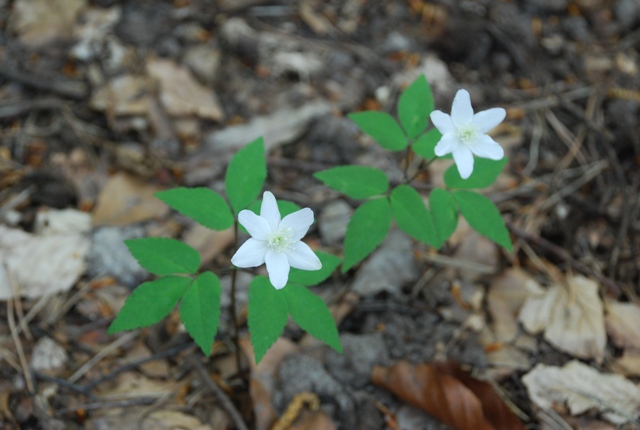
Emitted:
<point x="203" y="205"/>
<point x="267" y="315"/>
<point x="312" y="315"/>
<point x="149" y="303"/>
<point x="366" y="230"/>
<point x="382" y="128"/>
<point x="357" y="182"/>
<point x="269" y="310"/>
<point x="484" y="174"/>
<point x="245" y="175"/>
<point x="484" y="217"/>
<point x="164" y="256"/>
<point x="412" y="215"/>
<point x="414" y="107"/>
<point x="426" y="144"/>
<point x="200" y="310"/>
<point x="314" y="277"/>
<point x="445" y="214"/>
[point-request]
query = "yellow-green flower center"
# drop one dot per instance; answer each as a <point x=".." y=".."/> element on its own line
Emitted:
<point x="468" y="134"/>
<point x="281" y="240"/>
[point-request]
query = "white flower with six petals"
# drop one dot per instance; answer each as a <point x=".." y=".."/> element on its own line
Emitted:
<point x="276" y="241"/>
<point x="464" y="133"/>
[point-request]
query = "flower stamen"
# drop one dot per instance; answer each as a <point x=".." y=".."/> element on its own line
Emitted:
<point x="281" y="240"/>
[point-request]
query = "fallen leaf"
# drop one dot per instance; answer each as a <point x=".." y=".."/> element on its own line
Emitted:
<point x="572" y="317"/>
<point x="623" y="324"/>
<point x="172" y="420"/>
<point x="155" y="368"/>
<point x="126" y="200"/>
<point x="46" y="263"/>
<point x="583" y="388"/>
<point x="209" y="243"/>
<point x="125" y="95"/>
<point x="438" y="390"/>
<point x="40" y="22"/>
<point x="181" y="94"/>
<point x="313" y="420"/>
<point x="133" y="384"/>
<point x="507" y="294"/>
<point x="628" y="364"/>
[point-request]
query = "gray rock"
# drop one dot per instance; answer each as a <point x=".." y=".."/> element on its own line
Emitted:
<point x="361" y="353"/>
<point x="333" y="221"/>
<point x="299" y="372"/>
<point x="110" y="256"/>
<point x="389" y="268"/>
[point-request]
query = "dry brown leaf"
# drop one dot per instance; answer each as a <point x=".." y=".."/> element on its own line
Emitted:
<point x="123" y="95"/>
<point x="41" y="22"/>
<point x="172" y="420"/>
<point x="154" y="368"/>
<point x="583" y="388"/>
<point x="435" y="389"/>
<point x="572" y="318"/>
<point x="262" y="384"/>
<point x="126" y="200"/>
<point x="181" y="94"/>
<point x="209" y="243"/>
<point x="628" y="364"/>
<point x="35" y="265"/>
<point x="506" y="296"/>
<point x="623" y="324"/>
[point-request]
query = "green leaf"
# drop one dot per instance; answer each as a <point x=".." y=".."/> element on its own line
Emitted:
<point x="246" y="174"/>
<point x="412" y="215"/>
<point x="314" y="277"/>
<point x="164" y="256"/>
<point x="484" y="217"/>
<point x="200" y="310"/>
<point x="445" y="213"/>
<point x="357" y="182"/>
<point x="382" y="128"/>
<point x="485" y="172"/>
<point x="312" y="315"/>
<point x="203" y="205"/>
<point x="267" y="315"/>
<point x="150" y="303"/>
<point x="367" y="229"/>
<point x="426" y="144"/>
<point x="414" y="107"/>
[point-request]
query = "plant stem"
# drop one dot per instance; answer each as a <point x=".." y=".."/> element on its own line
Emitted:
<point x="234" y="319"/>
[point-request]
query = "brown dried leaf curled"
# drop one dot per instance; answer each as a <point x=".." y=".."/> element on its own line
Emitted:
<point x="438" y="390"/>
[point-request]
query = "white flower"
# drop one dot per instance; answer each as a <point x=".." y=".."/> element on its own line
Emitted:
<point x="464" y="133"/>
<point x="276" y="241"/>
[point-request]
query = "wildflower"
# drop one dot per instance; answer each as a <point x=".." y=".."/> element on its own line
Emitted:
<point x="464" y="133"/>
<point x="276" y="241"/>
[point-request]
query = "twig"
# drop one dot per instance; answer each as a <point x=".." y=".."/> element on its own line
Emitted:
<point x="18" y="344"/>
<point x="66" y="384"/>
<point x="225" y="401"/>
<point x="559" y="252"/>
<point x="102" y="354"/>
<point x="159" y="356"/>
<point x="139" y="401"/>
<point x="76" y="90"/>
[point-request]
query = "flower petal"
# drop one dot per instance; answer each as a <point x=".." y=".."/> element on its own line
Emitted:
<point x="464" y="160"/>
<point x="257" y="226"/>
<point x="278" y="268"/>
<point x="486" y="147"/>
<point x="302" y="257"/>
<point x="299" y="222"/>
<point x="250" y="254"/>
<point x="269" y="210"/>
<point x="447" y="144"/>
<point x="461" y="110"/>
<point x="442" y="121"/>
<point x="488" y="119"/>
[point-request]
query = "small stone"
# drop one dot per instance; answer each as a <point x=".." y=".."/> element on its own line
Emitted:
<point x="333" y="221"/>
<point x="48" y="357"/>
<point x="203" y="62"/>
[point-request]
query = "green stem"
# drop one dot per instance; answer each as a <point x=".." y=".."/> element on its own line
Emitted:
<point x="234" y="319"/>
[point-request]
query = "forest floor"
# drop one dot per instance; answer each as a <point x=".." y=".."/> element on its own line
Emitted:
<point x="105" y="102"/>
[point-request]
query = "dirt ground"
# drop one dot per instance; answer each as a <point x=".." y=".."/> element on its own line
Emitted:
<point x="104" y="102"/>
